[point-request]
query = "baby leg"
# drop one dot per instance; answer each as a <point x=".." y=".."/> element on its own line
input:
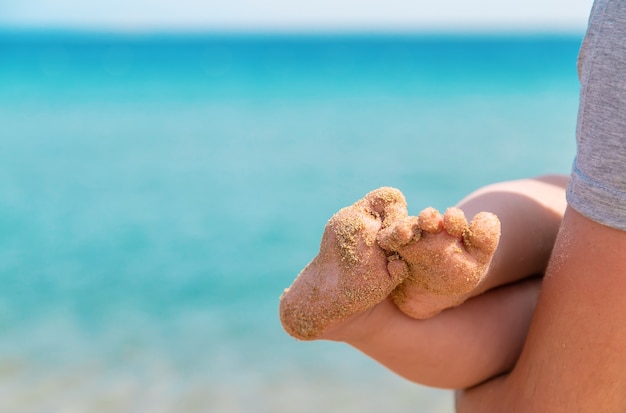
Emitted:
<point x="483" y="337"/>
<point x="450" y="261"/>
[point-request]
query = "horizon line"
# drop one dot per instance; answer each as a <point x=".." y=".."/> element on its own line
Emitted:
<point x="293" y="32"/>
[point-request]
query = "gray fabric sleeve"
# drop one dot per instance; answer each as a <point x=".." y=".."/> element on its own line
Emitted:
<point x="598" y="184"/>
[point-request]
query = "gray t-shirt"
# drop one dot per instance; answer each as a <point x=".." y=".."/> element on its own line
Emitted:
<point x="597" y="189"/>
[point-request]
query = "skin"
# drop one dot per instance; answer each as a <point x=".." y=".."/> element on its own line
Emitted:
<point x="462" y="346"/>
<point x="446" y="258"/>
<point x="577" y="336"/>
<point x="350" y="273"/>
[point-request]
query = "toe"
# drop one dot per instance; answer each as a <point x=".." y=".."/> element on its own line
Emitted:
<point x="454" y="222"/>
<point x="399" y="234"/>
<point x="430" y="220"/>
<point x="398" y="270"/>
<point x="484" y="233"/>
<point x="388" y="203"/>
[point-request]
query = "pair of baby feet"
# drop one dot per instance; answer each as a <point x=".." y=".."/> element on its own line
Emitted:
<point x="373" y="249"/>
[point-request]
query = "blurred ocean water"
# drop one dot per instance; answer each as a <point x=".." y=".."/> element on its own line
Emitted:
<point x="157" y="193"/>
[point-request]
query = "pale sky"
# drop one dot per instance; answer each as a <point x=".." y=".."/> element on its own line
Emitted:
<point x="299" y="15"/>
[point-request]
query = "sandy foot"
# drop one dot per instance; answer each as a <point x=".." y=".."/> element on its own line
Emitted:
<point x="373" y="249"/>
<point x="447" y="258"/>
<point x="351" y="273"/>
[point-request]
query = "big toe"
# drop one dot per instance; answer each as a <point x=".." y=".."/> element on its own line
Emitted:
<point x="483" y="236"/>
<point x="387" y="203"/>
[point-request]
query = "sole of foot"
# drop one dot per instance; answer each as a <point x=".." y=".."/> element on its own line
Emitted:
<point x="351" y="273"/>
<point x="447" y="258"/>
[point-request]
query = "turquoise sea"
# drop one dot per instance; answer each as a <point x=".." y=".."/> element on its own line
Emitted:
<point x="158" y="192"/>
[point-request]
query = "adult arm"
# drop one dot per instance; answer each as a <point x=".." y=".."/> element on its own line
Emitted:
<point x="574" y="359"/>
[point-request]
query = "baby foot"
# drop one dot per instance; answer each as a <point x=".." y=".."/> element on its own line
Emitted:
<point x="446" y="257"/>
<point x="351" y="273"/>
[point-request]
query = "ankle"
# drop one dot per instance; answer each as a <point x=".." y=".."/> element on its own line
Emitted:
<point x="350" y="330"/>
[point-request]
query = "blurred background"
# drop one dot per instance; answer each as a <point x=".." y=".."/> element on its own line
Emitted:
<point x="167" y="168"/>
